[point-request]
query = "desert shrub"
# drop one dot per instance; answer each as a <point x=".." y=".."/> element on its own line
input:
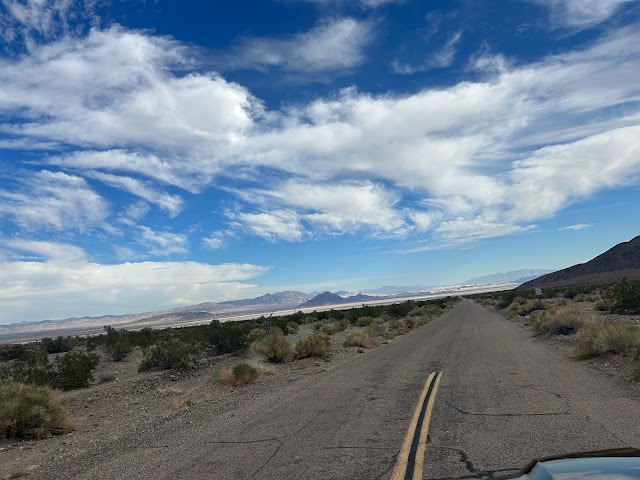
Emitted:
<point x="238" y="374"/>
<point x="358" y="339"/>
<point x="256" y="334"/>
<point x="292" y="327"/>
<point x="317" y="345"/>
<point x="275" y="347"/>
<point x="623" y="297"/>
<point x="376" y="330"/>
<point x="228" y="337"/>
<point x="74" y="370"/>
<point x="171" y="354"/>
<point x="35" y="375"/>
<point x="617" y="338"/>
<point x="29" y="412"/>
<point x="400" y="309"/>
<point x="364" y="321"/>
<point x="395" y="324"/>
<point x="117" y="351"/>
<point x="327" y="329"/>
<point x="142" y="338"/>
<point x="341" y="325"/>
<point x="563" y="321"/>
<point x="58" y="345"/>
<point x="601" y="305"/>
<point x="410" y="322"/>
<point x="562" y="302"/>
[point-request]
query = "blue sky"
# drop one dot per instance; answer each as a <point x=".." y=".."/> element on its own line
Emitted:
<point x="157" y="154"/>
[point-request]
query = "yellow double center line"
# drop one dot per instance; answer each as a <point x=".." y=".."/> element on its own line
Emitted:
<point x="411" y="458"/>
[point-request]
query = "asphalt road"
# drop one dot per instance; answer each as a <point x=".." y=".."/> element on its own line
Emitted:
<point x="503" y="399"/>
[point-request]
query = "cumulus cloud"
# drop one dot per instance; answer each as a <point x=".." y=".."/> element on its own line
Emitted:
<point x="329" y="46"/>
<point x="119" y="86"/>
<point x="51" y="286"/>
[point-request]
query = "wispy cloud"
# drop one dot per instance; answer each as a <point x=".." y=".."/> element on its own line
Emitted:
<point x="442" y="58"/>
<point x="363" y="3"/>
<point x="53" y="200"/>
<point x="331" y="45"/>
<point x="579" y="226"/>
<point x="581" y="14"/>
<point x="171" y="203"/>
<point x="162" y="243"/>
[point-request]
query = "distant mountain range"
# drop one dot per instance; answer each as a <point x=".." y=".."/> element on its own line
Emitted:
<point x="621" y="261"/>
<point x="515" y="276"/>
<point x="288" y="297"/>
<point x="328" y="298"/>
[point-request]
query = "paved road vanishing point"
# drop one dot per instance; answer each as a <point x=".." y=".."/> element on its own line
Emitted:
<point x="469" y="395"/>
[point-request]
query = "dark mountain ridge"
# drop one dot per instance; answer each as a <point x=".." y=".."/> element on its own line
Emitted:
<point x="621" y="261"/>
<point x="328" y="298"/>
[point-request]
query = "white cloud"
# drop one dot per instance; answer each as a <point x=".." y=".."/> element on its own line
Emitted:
<point x="214" y="241"/>
<point x="363" y="3"/>
<point x="171" y="203"/>
<point x="277" y="225"/>
<point x="118" y="85"/>
<point x="134" y="212"/>
<point x="333" y="208"/>
<point x="36" y="290"/>
<point x="476" y="159"/>
<point x="443" y="58"/>
<point x="329" y="46"/>
<point x="581" y="13"/>
<point x="162" y="243"/>
<point x="579" y="226"/>
<point x="53" y="200"/>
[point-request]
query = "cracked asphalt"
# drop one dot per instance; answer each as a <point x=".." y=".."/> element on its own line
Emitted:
<point x="504" y="399"/>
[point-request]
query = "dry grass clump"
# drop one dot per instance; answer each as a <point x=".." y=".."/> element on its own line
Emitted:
<point x="317" y="345"/>
<point x="410" y="323"/>
<point x="595" y="339"/>
<point x="238" y="374"/>
<point x="364" y="321"/>
<point x="563" y="321"/>
<point x="376" y="330"/>
<point x="30" y="412"/>
<point x="395" y="324"/>
<point x="358" y="339"/>
<point x="275" y="347"/>
<point x="521" y="306"/>
<point x="257" y="333"/>
<point x="292" y="327"/>
<point x="601" y="305"/>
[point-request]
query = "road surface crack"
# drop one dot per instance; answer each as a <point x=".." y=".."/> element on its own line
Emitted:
<point x="468" y="464"/>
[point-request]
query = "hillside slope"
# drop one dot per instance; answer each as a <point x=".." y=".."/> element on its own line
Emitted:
<point x="621" y="261"/>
